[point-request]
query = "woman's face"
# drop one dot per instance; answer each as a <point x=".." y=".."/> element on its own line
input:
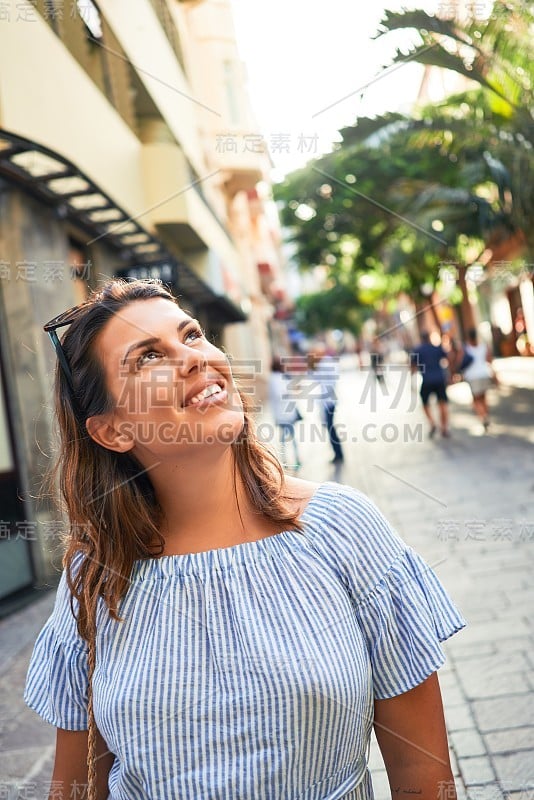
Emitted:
<point x="173" y="391"/>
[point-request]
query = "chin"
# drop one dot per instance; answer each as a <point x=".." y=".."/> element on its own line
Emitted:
<point x="227" y="430"/>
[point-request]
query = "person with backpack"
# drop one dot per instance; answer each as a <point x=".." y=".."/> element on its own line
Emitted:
<point x="478" y="373"/>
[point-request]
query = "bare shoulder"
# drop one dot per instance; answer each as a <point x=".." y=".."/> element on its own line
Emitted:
<point x="300" y="491"/>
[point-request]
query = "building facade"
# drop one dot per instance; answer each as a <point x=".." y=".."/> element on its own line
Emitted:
<point x="127" y="148"/>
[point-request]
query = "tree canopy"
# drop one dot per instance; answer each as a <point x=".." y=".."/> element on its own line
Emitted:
<point x="404" y="194"/>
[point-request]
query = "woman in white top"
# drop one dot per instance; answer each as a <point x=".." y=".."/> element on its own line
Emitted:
<point x="478" y="375"/>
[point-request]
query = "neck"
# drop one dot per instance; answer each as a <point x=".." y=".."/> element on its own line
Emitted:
<point x="202" y="509"/>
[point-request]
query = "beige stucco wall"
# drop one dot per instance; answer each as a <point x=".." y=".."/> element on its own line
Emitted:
<point x="47" y="97"/>
<point x="211" y="36"/>
<point x="171" y="199"/>
<point x="144" y="42"/>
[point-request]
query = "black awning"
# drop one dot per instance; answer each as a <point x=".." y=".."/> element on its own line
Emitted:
<point x="56" y="181"/>
<point x="59" y="183"/>
<point x="186" y="283"/>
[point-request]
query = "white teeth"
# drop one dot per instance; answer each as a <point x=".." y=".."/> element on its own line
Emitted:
<point x="207" y="392"/>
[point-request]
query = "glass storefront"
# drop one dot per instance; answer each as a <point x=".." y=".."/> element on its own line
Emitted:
<point x="15" y="562"/>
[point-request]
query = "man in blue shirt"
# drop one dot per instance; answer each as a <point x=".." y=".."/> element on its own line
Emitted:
<point x="428" y="359"/>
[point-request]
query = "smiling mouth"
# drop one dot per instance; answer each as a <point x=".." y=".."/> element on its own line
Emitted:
<point x="211" y="391"/>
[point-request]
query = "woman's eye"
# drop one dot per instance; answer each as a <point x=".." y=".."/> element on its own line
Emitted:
<point x="194" y="333"/>
<point x="154" y="355"/>
<point x="148" y="355"/>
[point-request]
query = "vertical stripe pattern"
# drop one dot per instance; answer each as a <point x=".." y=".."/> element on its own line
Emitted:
<point x="249" y="672"/>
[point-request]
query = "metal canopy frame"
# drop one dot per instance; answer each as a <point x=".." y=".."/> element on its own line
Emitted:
<point x="186" y="282"/>
<point x="42" y="173"/>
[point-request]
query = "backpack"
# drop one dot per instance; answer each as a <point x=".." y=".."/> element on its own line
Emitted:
<point x="467" y="360"/>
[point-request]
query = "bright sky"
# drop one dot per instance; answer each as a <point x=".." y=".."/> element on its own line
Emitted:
<point x="308" y="65"/>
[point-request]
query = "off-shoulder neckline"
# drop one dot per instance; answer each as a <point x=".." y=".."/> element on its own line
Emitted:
<point x="224" y="556"/>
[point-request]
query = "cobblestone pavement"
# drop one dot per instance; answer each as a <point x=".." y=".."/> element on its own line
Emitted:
<point x="467" y="505"/>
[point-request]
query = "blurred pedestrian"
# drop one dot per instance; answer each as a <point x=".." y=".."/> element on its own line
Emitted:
<point x="284" y="410"/>
<point x="220" y="629"/>
<point x="431" y="360"/>
<point x="498" y="338"/>
<point x="454" y="353"/>
<point x="376" y="356"/>
<point x="478" y="374"/>
<point x="358" y="349"/>
<point x="324" y="373"/>
<point x="520" y="332"/>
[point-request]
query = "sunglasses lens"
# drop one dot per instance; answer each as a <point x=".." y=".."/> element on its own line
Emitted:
<point x="63" y="319"/>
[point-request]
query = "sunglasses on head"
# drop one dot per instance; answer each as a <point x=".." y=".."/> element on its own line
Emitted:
<point x="51" y="327"/>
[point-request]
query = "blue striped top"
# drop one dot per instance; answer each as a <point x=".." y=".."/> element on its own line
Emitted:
<point x="249" y="672"/>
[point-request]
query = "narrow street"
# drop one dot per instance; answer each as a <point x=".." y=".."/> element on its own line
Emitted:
<point x="467" y="505"/>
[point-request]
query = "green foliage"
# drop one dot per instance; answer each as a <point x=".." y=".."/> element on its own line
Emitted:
<point x="495" y="119"/>
<point x="496" y="53"/>
<point x="336" y="307"/>
<point x="403" y="194"/>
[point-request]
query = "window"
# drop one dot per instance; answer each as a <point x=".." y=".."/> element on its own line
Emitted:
<point x="90" y="15"/>
<point x="80" y="270"/>
<point x="231" y="97"/>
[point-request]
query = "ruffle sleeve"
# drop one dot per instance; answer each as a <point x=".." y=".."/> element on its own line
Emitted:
<point x="402" y="608"/>
<point x="56" y="681"/>
<point x="404" y="619"/>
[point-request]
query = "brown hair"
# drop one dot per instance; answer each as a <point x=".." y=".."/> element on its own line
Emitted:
<point x="112" y="509"/>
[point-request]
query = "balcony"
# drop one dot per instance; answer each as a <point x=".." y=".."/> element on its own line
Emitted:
<point x="32" y="106"/>
<point x="176" y="203"/>
<point x="149" y="39"/>
<point x="243" y="158"/>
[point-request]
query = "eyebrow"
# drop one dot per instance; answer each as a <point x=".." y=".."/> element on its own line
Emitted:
<point x="155" y="339"/>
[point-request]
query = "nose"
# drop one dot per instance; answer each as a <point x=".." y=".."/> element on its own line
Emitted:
<point x="189" y="360"/>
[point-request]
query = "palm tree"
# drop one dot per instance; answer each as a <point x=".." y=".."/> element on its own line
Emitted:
<point x="495" y="119"/>
<point x="441" y="185"/>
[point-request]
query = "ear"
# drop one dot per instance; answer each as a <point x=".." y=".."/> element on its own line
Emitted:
<point x="102" y="430"/>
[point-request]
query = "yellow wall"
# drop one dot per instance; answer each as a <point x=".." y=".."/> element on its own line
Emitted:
<point x="212" y="43"/>
<point x="171" y="199"/>
<point x="139" y="32"/>
<point x="60" y="107"/>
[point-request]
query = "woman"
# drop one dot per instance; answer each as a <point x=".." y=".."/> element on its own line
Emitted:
<point x="238" y="631"/>
<point x="478" y="375"/>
